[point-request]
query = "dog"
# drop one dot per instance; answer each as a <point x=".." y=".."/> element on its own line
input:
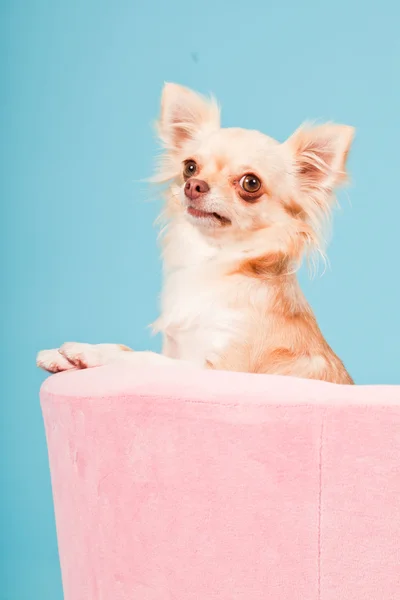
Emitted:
<point x="242" y="211"/>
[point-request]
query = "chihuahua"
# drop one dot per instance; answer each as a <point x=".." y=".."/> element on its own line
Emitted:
<point x="242" y="210"/>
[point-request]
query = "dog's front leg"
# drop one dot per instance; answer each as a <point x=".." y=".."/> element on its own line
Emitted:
<point x="74" y="355"/>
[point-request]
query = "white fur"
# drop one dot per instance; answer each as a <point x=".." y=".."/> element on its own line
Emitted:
<point x="197" y="319"/>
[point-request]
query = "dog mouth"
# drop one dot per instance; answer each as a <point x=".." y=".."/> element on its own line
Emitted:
<point x="210" y="216"/>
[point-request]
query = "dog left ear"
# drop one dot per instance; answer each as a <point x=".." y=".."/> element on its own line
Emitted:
<point x="184" y="114"/>
<point x="320" y="155"/>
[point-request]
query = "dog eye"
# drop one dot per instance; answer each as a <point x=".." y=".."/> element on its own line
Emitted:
<point x="250" y="183"/>
<point x="189" y="168"/>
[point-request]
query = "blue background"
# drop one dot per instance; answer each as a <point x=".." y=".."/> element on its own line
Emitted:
<point x="80" y="87"/>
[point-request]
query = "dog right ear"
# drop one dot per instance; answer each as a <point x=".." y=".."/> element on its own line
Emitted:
<point x="184" y="115"/>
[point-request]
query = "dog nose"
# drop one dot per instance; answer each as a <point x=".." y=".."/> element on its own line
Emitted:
<point x="195" y="188"/>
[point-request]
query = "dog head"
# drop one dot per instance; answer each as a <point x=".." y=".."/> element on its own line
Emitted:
<point x="235" y="184"/>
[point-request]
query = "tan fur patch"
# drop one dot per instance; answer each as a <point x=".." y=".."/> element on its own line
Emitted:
<point x="294" y="209"/>
<point x="125" y="348"/>
<point x="220" y="163"/>
<point x="264" y="266"/>
<point x="284" y="338"/>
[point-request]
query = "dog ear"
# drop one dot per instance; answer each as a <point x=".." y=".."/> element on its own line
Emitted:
<point x="185" y="114"/>
<point x="320" y="155"/>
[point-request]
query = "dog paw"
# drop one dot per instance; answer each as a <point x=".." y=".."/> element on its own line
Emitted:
<point x="71" y="355"/>
<point x="82" y="356"/>
<point x="74" y="355"/>
<point x="53" y="362"/>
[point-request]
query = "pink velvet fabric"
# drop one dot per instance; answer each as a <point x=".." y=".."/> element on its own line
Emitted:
<point x="222" y="486"/>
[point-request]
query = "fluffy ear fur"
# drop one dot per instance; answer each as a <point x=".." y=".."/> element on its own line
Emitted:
<point x="184" y="115"/>
<point x="320" y="155"/>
